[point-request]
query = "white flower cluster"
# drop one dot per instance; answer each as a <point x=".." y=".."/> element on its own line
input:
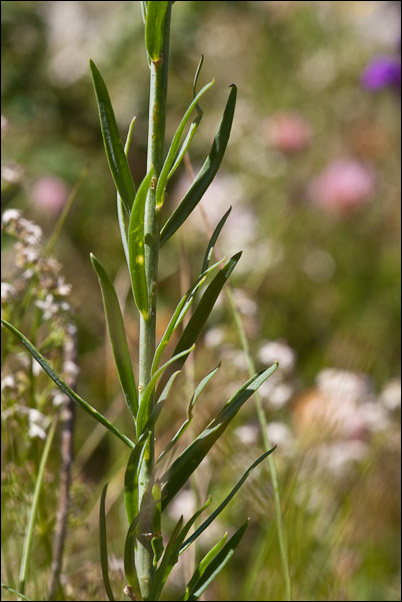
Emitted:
<point x="28" y="271"/>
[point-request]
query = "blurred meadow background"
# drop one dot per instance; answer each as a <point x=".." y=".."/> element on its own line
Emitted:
<point x="313" y="175"/>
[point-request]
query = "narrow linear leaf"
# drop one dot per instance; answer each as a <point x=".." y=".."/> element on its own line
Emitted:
<point x="130" y="569"/>
<point x="194" y="125"/>
<point x="201" y="568"/>
<point x="14" y="591"/>
<point x="136" y="243"/>
<point x="117" y="334"/>
<point x="64" y="387"/>
<point x="174" y="146"/>
<point x="29" y="534"/>
<point x="161" y="402"/>
<point x="171" y="554"/>
<point x="143" y="410"/>
<point x="195" y="82"/>
<point x="158" y="580"/>
<point x="214" y="238"/>
<point x="183" y="467"/>
<point x="184" y="147"/>
<point x="179" y="313"/>
<point x="114" y="149"/>
<point x="144" y="11"/>
<point x="191" y="405"/>
<point x="200" y="388"/>
<point x="129" y="138"/>
<point x="217" y="564"/>
<point x="103" y="545"/>
<point x="155" y="14"/>
<point x="120" y="204"/>
<point x="225" y="502"/>
<point x="205" y="306"/>
<point x="123" y="228"/>
<point x="131" y="478"/>
<point x="205" y="175"/>
<point x="157" y="540"/>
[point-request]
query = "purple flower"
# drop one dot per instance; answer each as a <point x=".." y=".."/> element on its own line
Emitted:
<point x="382" y="72"/>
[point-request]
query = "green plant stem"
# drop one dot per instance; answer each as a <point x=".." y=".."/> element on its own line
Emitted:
<point x="156" y="143"/>
<point x="26" y="554"/>
<point x="267" y="445"/>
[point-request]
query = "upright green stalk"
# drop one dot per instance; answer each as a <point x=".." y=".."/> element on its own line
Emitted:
<point x="271" y="461"/>
<point x="156" y="143"/>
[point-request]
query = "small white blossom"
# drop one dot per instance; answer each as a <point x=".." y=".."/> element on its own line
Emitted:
<point x="48" y="306"/>
<point x="339" y="457"/>
<point x="390" y="396"/>
<point x="7" y="291"/>
<point x="70" y="369"/>
<point x="37" y="424"/>
<point x="281" y="435"/>
<point x="246" y="305"/>
<point x="63" y="289"/>
<point x="26" y="255"/>
<point x="278" y="351"/>
<point x="349" y="386"/>
<point x="237" y="358"/>
<point x="248" y="434"/>
<point x="7" y="382"/>
<point x="214" y="337"/>
<point x="36" y="368"/>
<point x="183" y="505"/>
<point x="10" y="215"/>
<point x="59" y="399"/>
<point x="280" y="396"/>
<point x="374" y="416"/>
<point x="28" y="274"/>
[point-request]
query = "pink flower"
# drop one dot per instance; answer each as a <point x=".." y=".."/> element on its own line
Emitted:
<point x="50" y="194"/>
<point x="344" y="186"/>
<point x="288" y="132"/>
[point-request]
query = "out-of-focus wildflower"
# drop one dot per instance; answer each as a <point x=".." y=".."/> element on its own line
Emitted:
<point x="343" y="404"/>
<point x="383" y="72"/>
<point x="338" y="457"/>
<point x="37" y="424"/>
<point x="390" y="396"/>
<point x="11" y="180"/>
<point x="278" y="351"/>
<point x="280" y="434"/>
<point x="25" y="231"/>
<point x="288" y="132"/>
<point x="343" y="187"/>
<point x="350" y="386"/>
<point x="36" y="277"/>
<point x="248" y="434"/>
<point x="4" y="126"/>
<point x="7" y="292"/>
<point x="214" y="337"/>
<point x="183" y="505"/>
<point x="278" y="390"/>
<point x="50" y="194"/>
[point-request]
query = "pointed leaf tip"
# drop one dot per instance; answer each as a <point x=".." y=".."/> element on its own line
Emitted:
<point x="116" y="157"/>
